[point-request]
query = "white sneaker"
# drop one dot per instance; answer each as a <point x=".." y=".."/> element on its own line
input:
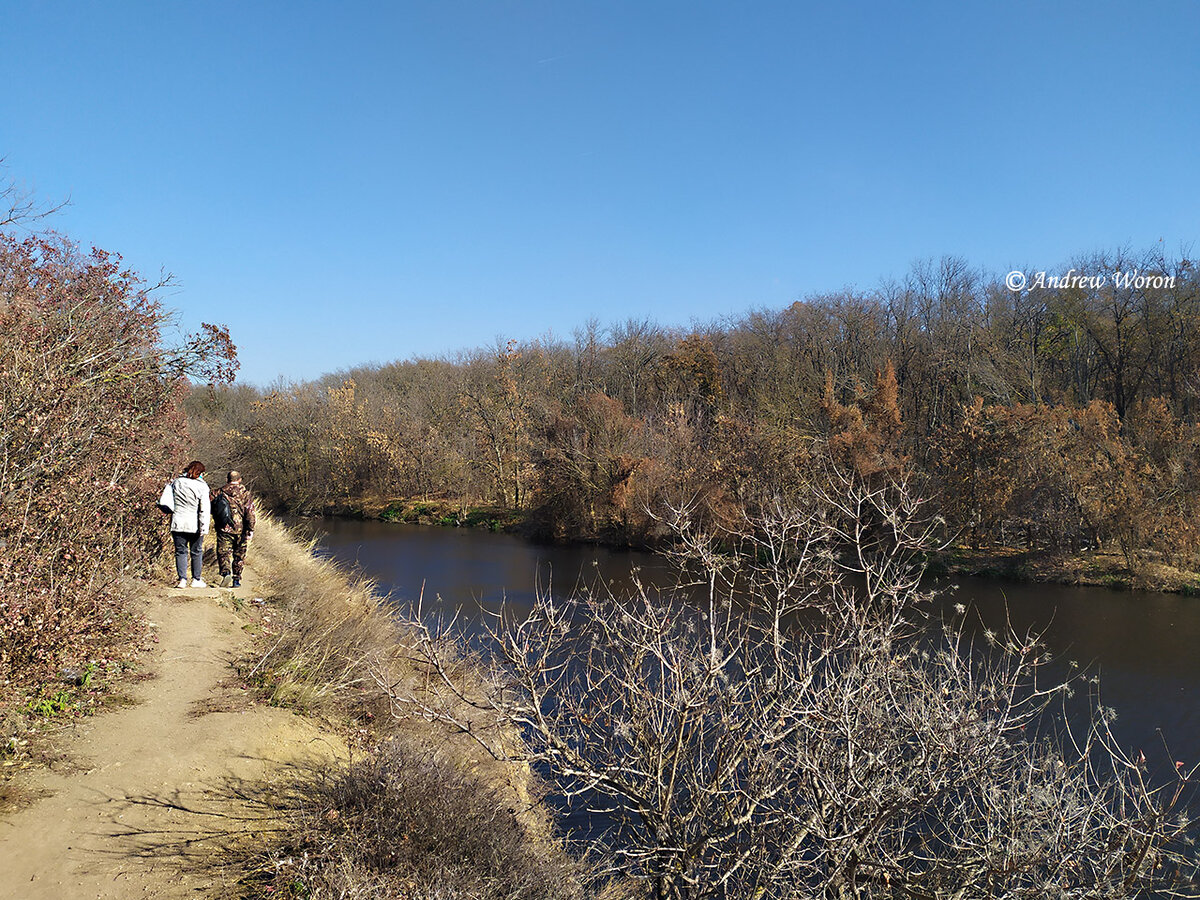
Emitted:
<point x="196" y="582"/>
<point x="182" y="583"/>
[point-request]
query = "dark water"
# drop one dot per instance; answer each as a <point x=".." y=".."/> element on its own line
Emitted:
<point x="472" y="570"/>
<point x="1145" y="646"/>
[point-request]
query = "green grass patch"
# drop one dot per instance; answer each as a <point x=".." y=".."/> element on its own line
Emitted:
<point x="51" y="706"/>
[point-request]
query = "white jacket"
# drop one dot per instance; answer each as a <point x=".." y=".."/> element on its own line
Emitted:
<point x="188" y="497"/>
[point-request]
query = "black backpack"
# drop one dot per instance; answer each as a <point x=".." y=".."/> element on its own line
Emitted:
<point x="222" y="512"/>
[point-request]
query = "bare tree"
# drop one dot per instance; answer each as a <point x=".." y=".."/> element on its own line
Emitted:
<point x="805" y="731"/>
<point x="18" y="205"/>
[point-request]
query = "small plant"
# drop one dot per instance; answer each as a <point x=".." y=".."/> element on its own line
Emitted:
<point x="49" y="707"/>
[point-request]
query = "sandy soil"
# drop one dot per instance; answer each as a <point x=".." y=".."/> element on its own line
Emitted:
<point x="157" y="787"/>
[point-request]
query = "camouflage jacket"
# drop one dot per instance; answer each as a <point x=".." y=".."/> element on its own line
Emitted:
<point x="241" y="502"/>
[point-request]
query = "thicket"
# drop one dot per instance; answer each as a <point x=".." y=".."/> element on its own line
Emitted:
<point x="1055" y="418"/>
<point x="805" y="731"/>
<point x="91" y="425"/>
<point x="802" y="729"/>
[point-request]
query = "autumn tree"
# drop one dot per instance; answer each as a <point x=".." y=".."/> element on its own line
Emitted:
<point x="976" y="470"/>
<point x="690" y="380"/>
<point x="497" y="404"/>
<point x="90" y="428"/>
<point x="865" y="435"/>
<point x="584" y="466"/>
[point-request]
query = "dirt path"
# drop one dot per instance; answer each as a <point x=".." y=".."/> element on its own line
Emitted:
<point x="153" y="783"/>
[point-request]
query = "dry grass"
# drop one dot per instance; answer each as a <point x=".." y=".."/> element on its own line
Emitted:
<point x="405" y="822"/>
<point x="333" y="628"/>
<point x="423" y="813"/>
<point x="16" y="796"/>
<point x="334" y="641"/>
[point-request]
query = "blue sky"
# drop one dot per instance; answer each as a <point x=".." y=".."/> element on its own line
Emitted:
<point x="355" y="182"/>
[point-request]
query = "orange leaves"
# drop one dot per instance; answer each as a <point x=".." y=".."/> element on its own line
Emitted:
<point x="693" y="371"/>
<point x="1064" y="478"/>
<point x="866" y="435"/>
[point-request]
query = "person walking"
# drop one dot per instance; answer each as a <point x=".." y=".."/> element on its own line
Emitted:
<point x="186" y="499"/>
<point x="233" y="513"/>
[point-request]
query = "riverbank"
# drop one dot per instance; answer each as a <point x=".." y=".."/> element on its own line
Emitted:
<point x="1093" y="569"/>
<point x="259" y="757"/>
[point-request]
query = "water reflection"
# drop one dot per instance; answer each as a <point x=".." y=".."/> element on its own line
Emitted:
<point x="1142" y="644"/>
<point x="473" y="572"/>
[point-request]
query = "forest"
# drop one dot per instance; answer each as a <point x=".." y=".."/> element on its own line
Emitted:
<point x="1058" y="419"/>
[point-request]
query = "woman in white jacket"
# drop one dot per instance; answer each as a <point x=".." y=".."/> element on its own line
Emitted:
<point x="187" y="499"/>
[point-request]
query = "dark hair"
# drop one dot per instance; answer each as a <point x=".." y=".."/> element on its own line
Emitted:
<point x="194" y="469"/>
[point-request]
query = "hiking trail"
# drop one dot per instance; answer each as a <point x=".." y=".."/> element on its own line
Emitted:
<point x="154" y="788"/>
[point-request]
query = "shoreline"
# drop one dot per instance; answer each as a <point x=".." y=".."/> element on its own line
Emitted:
<point x="1092" y="569"/>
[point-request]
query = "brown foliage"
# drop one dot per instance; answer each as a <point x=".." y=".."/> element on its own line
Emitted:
<point x="90" y="427"/>
<point x="1068" y="478"/>
<point x="1055" y="419"/>
<point x="585" y="469"/>
<point x="865" y="435"/>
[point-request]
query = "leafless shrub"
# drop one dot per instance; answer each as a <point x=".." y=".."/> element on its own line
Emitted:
<point x="828" y="743"/>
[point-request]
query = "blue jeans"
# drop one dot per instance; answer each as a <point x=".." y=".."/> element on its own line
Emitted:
<point x="188" y="545"/>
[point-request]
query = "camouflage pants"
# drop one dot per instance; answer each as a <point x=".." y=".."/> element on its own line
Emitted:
<point x="231" y="548"/>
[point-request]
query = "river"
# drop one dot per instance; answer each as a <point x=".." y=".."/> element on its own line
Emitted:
<point x="1145" y="646"/>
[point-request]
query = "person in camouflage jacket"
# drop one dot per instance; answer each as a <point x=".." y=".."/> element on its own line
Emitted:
<point x="234" y="535"/>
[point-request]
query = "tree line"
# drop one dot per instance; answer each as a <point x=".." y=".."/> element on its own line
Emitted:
<point x="1059" y="417"/>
